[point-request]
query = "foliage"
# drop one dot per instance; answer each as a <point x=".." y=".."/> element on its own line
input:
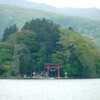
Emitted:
<point x="47" y="34"/>
<point x="32" y="50"/>
<point x="6" y="52"/>
<point x="9" y="31"/>
<point x="24" y="48"/>
<point x="10" y="15"/>
<point x="82" y="54"/>
<point x="41" y="41"/>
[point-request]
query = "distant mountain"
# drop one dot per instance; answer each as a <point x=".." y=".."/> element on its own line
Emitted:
<point x="27" y="4"/>
<point x="10" y="15"/>
<point x="92" y="13"/>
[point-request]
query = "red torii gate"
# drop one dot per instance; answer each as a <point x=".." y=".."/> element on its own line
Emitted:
<point x="48" y="66"/>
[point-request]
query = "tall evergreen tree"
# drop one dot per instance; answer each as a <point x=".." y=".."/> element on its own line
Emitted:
<point x="8" y="31"/>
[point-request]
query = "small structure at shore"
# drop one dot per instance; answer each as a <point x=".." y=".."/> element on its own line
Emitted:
<point x="65" y="74"/>
<point x="53" y="70"/>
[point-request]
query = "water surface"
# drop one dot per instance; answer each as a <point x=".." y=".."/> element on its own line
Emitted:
<point x="86" y="89"/>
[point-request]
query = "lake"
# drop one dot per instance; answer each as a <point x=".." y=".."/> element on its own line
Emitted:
<point x="69" y="89"/>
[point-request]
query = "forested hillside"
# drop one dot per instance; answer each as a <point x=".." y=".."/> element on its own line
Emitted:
<point x="10" y="15"/>
<point x="42" y="41"/>
<point x="91" y="13"/>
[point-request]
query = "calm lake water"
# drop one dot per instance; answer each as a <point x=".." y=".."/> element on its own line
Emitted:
<point x="86" y="89"/>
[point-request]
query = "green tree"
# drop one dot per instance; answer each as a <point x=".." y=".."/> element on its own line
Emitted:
<point x="6" y="53"/>
<point x="47" y="34"/>
<point x="8" y="31"/>
<point x="25" y="48"/>
<point x="82" y="54"/>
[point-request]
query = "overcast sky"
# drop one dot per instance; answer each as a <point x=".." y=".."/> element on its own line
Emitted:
<point x="71" y="3"/>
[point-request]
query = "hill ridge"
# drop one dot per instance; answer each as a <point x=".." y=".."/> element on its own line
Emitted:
<point x="10" y="15"/>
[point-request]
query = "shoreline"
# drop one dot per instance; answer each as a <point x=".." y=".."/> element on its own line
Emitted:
<point x="46" y="78"/>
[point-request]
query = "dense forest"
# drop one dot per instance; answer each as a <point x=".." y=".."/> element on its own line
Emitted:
<point x="26" y="50"/>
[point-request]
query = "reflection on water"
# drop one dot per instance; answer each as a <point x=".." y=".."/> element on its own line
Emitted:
<point x="50" y="89"/>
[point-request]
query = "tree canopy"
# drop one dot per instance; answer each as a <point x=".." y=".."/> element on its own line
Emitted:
<point x="81" y="53"/>
<point x="42" y="41"/>
<point x="8" y="31"/>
